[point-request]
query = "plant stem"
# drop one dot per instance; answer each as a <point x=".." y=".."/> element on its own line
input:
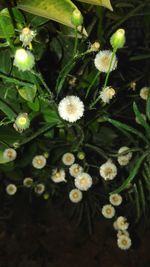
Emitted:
<point x="92" y="83"/>
<point x="76" y="42"/>
<point x="13" y="80"/>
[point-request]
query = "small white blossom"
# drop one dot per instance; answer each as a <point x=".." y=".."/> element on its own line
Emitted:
<point x="107" y="94"/>
<point x="83" y="181"/>
<point x="39" y="189"/>
<point x="58" y="176"/>
<point x="71" y="108"/>
<point x="125" y="232"/>
<point x="124" y="158"/>
<point x="27" y="182"/>
<point x="115" y="199"/>
<point x="108" y="211"/>
<point x="9" y="154"/>
<point x="11" y="189"/>
<point x="27" y="36"/>
<point x="103" y="59"/>
<point x="124" y="242"/>
<point x="144" y="93"/>
<point x="108" y="170"/>
<point x="75" y="195"/>
<point x="39" y="162"/>
<point x="68" y="159"/>
<point x="75" y="170"/>
<point x="122" y="223"/>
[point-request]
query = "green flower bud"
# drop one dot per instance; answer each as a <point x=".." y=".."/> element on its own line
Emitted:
<point x="118" y="39"/>
<point x="22" y="122"/>
<point x="46" y="196"/>
<point x="81" y="155"/>
<point x="24" y="60"/>
<point x="77" y="18"/>
<point x="46" y="155"/>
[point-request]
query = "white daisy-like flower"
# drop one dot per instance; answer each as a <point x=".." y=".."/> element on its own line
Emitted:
<point x="68" y="159"/>
<point x="108" y="211"/>
<point x="71" y="108"/>
<point x="143" y="116"/>
<point x="144" y="93"/>
<point x="125" y="232"/>
<point x="9" y="154"/>
<point x="75" y="170"/>
<point x="11" y="189"/>
<point x="83" y="181"/>
<point x="124" y="242"/>
<point x="58" y="176"/>
<point x="39" y="162"/>
<point x="122" y="223"/>
<point x="75" y="195"/>
<point x="26" y="36"/>
<point x="39" y="189"/>
<point x="28" y="182"/>
<point x="108" y="170"/>
<point x="24" y="60"/>
<point x="103" y="59"/>
<point x="115" y="226"/>
<point x="125" y="158"/>
<point x="107" y="94"/>
<point x="115" y="199"/>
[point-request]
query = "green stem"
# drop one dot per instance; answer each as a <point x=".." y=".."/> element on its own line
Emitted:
<point x="13" y="80"/>
<point x="92" y="83"/>
<point x="40" y="77"/>
<point x="76" y="42"/>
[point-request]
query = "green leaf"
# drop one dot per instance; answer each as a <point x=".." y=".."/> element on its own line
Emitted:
<point x="28" y="93"/>
<point x="128" y="128"/>
<point x="105" y="3"/>
<point x="6" y="26"/>
<point x="131" y="175"/>
<point x="5" y="108"/>
<point x="51" y="116"/>
<point x="60" y="10"/>
<point x="140" y="119"/>
<point x="5" y="62"/>
<point x="35" y="106"/>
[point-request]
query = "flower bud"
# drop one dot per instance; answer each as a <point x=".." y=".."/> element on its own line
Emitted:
<point x="95" y="47"/>
<point x="118" y="39"/>
<point x="22" y="122"/>
<point x="24" y="60"/>
<point x="27" y="36"/>
<point x="76" y="18"/>
<point x="81" y="155"/>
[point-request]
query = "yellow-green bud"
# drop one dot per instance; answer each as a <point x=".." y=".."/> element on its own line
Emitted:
<point x="81" y="155"/>
<point x="46" y="155"/>
<point x="24" y="60"/>
<point x="46" y="196"/>
<point x="118" y="39"/>
<point x="22" y="122"/>
<point x="76" y="18"/>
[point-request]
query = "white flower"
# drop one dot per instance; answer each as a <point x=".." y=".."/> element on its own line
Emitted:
<point x="115" y="226"/>
<point x="27" y="182"/>
<point x="124" y="242"/>
<point x="71" y="108"/>
<point x="58" y="176"/>
<point x="115" y="199"/>
<point x="11" y="189"/>
<point x="122" y="223"/>
<point x="75" y="170"/>
<point x="108" y="170"/>
<point x="83" y="181"/>
<point x="124" y="158"/>
<point x="24" y="60"/>
<point x="75" y="195"/>
<point x="68" y="159"/>
<point x="39" y="162"/>
<point x="27" y="36"/>
<point x="39" y="189"/>
<point x="144" y="93"/>
<point x="103" y="59"/>
<point x="125" y="232"/>
<point x="108" y="211"/>
<point x="9" y="154"/>
<point x="107" y="94"/>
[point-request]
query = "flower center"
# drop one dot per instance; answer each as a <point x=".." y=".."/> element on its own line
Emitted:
<point x="71" y="108"/>
<point x="108" y="211"/>
<point x="108" y="171"/>
<point x="83" y="181"/>
<point x="39" y="162"/>
<point x="75" y="195"/>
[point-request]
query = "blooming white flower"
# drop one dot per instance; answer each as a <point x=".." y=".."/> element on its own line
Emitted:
<point x="68" y="159"/>
<point x="24" y="60"/>
<point x="39" y="189"/>
<point x="115" y="226"/>
<point x="27" y="36"/>
<point x="9" y="154"/>
<point x="144" y="93"/>
<point x="124" y="242"/>
<point x="83" y="181"/>
<point x="108" y="170"/>
<point x="107" y="94"/>
<point x="103" y="59"/>
<point x="75" y="195"/>
<point x="39" y="162"/>
<point x="58" y="176"/>
<point x="115" y="199"/>
<point x="125" y="232"/>
<point x="75" y="170"/>
<point x="71" y="108"/>
<point x="125" y="158"/>
<point x="11" y="189"/>
<point x="122" y="223"/>
<point x="108" y="211"/>
<point x="27" y="182"/>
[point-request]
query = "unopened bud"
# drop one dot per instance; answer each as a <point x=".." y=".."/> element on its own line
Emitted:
<point x="77" y="18"/>
<point x="118" y="39"/>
